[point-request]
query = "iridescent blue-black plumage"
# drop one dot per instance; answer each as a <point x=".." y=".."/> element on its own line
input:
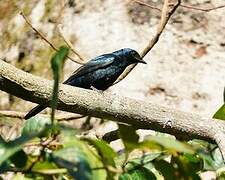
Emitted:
<point x="99" y="73"/>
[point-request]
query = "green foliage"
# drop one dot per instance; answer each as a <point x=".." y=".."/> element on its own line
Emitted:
<point x="166" y="143"/>
<point x="221" y="173"/>
<point x="129" y="137"/>
<point x="172" y="160"/>
<point x="8" y="149"/>
<point x="220" y="114"/>
<point x="107" y="155"/>
<point x="137" y="172"/>
<point x="60" y="152"/>
<point x="141" y="167"/>
<point x="77" y="157"/>
<point x="57" y="63"/>
<point x="212" y="158"/>
<point x="74" y="161"/>
<point x="35" y="125"/>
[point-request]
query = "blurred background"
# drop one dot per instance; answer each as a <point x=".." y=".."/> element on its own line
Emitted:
<point x="185" y="69"/>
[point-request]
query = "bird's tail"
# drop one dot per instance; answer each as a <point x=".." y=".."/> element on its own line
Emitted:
<point x="35" y="111"/>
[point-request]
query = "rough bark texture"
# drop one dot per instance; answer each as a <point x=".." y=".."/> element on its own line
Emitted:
<point x="140" y="114"/>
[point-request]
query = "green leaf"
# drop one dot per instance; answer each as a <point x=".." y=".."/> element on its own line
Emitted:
<point x="104" y="150"/>
<point x="129" y="137"/>
<point x="46" y="167"/>
<point x="37" y="176"/>
<point x="7" y="149"/>
<point x="220" y="114"/>
<point x="212" y="160"/>
<point x="220" y="173"/>
<point x="141" y="167"/>
<point x="210" y="154"/>
<point x="19" y="159"/>
<point x="35" y="125"/>
<point x="166" y="143"/>
<point x="165" y="168"/>
<point x="106" y="153"/>
<point x="187" y="165"/>
<point x="20" y="176"/>
<point x="224" y="95"/>
<point x="81" y="161"/>
<point x="195" y="161"/>
<point x="5" y="166"/>
<point x="57" y="63"/>
<point x="75" y="161"/>
<point x="140" y="173"/>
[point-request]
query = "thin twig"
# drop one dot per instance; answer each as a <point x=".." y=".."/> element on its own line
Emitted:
<point x="163" y="21"/>
<point x="21" y="115"/>
<point x="146" y="4"/>
<point x="39" y="143"/>
<point x="181" y="5"/>
<point x="165" y="16"/>
<point x="43" y="37"/>
<point x="39" y="33"/>
<point x="61" y="12"/>
<point x="69" y="44"/>
<point x="202" y="9"/>
<point x="59" y="29"/>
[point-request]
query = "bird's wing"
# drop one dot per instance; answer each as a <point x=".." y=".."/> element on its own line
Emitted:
<point x="94" y="64"/>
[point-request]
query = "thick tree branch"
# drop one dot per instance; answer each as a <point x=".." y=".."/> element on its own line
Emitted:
<point x="140" y="114"/>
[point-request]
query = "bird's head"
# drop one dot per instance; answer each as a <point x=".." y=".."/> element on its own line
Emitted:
<point x="130" y="55"/>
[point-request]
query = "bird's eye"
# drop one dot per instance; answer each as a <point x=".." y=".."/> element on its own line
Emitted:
<point x="133" y="53"/>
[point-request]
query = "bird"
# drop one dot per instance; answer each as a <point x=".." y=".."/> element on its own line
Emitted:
<point x="99" y="73"/>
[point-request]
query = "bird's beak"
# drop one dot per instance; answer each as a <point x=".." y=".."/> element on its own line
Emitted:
<point x="139" y="60"/>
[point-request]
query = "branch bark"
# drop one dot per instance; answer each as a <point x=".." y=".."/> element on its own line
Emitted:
<point x="141" y="114"/>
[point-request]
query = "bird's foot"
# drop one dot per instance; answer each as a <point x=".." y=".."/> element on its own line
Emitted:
<point x="97" y="90"/>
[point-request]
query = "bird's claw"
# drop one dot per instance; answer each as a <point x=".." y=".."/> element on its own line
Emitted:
<point x="97" y="90"/>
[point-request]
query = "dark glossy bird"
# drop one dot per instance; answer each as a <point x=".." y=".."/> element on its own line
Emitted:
<point x="99" y="73"/>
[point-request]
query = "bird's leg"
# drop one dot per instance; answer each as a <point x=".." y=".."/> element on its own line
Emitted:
<point x="95" y="89"/>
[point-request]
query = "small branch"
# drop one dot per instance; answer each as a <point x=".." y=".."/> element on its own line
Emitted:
<point x="69" y="44"/>
<point x="165" y="16"/>
<point x="202" y="9"/>
<point x="38" y="33"/>
<point x="181" y="5"/>
<point x="21" y="115"/>
<point x="146" y="4"/>
<point x="140" y="114"/>
<point x="66" y="40"/>
<point x="43" y="37"/>
<point x="62" y="5"/>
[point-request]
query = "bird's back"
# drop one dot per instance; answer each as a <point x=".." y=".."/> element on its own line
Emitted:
<point x="100" y="73"/>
